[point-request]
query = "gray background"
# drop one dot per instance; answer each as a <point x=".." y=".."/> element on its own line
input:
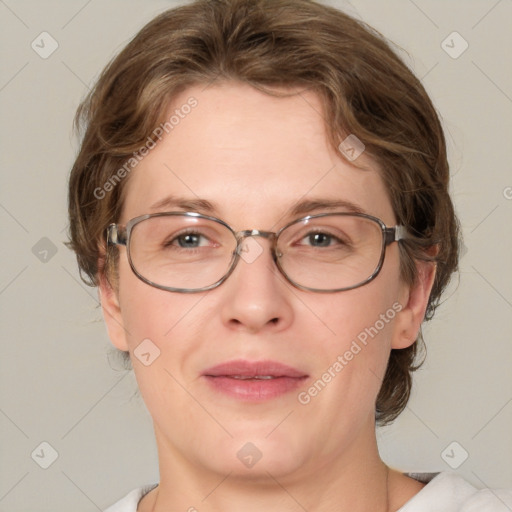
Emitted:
<point x="60" y="382"/>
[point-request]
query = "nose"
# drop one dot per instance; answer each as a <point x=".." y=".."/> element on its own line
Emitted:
<point x="256" y="297"/>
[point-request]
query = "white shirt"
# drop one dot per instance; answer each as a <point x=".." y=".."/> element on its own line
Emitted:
<point x="444" y="492"/>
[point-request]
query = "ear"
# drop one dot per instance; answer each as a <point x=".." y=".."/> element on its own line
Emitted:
<point x="110" y="306"/>
<point x="414" y="300"/>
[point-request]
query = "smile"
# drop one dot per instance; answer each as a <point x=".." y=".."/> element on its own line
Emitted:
<point x="254" y="380"/>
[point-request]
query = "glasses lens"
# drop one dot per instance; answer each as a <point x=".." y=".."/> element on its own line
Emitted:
<point x="179" y="251"/>
<point x="331" y="252"/>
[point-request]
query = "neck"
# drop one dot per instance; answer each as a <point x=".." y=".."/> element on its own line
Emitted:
<point x="354" y="480"/>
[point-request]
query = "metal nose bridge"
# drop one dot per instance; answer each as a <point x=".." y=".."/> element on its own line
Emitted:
<point x="241" y="235"/>
<point x="269" y="235"/>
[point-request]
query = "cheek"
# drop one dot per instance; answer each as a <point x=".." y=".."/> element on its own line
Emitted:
<point x="163" y="331"/>
<point x="352" y="362"/>
<point x="361" y="322"/>
<point x="163" y="334"/>
<point x="148" y="312"/>
<point x="363" y="313"/>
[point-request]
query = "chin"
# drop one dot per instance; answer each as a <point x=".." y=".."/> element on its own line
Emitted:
<point x="252" y="457"/>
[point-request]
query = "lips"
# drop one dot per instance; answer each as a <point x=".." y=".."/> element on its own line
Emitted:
<point x="251" y="369"/>
<point x="254" y="380"/>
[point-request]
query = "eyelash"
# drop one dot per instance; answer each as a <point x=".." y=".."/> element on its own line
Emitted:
<point x="169" y="243"/>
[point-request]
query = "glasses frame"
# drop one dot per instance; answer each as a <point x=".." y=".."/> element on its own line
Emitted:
<point x="118" y="234"/>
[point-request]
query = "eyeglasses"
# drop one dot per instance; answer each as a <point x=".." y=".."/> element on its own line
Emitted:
<point x="190" y="252"/>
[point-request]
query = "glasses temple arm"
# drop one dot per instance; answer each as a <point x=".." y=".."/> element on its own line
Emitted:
<point x="395" y="234"/>
<point x="116" y="235"/>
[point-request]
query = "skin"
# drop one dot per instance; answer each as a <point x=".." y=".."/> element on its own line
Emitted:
<point x="254" y="157"/>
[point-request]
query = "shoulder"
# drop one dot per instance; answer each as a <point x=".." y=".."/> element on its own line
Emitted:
<point x="455" y="494"/>
<point x="131" y="500"/>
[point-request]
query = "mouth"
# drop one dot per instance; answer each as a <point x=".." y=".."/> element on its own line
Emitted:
<point x="254" y="380"/>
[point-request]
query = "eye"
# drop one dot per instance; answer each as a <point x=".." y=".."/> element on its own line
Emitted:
<point x="190" y="240"/>
<point x="321" y="239"/>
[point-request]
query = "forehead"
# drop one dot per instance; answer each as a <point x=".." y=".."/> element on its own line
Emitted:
<point x="251" y="156"/>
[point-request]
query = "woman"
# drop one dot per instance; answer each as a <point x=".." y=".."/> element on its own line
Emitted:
<point x="261" y="197"/>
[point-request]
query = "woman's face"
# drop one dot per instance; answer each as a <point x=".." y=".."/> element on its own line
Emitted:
<point x="255" y="158"/>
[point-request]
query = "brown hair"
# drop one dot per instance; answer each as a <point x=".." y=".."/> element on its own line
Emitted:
<point x="365" y="88"/>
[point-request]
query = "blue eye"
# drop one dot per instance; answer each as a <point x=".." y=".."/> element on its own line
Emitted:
<point x="189" y="240"/>
<point x="320" y="239"/>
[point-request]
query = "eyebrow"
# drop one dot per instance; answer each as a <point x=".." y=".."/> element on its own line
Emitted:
<point x="311" y="205"/>
<point x="184" y="203"/>
<point x="304" y="207"/>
